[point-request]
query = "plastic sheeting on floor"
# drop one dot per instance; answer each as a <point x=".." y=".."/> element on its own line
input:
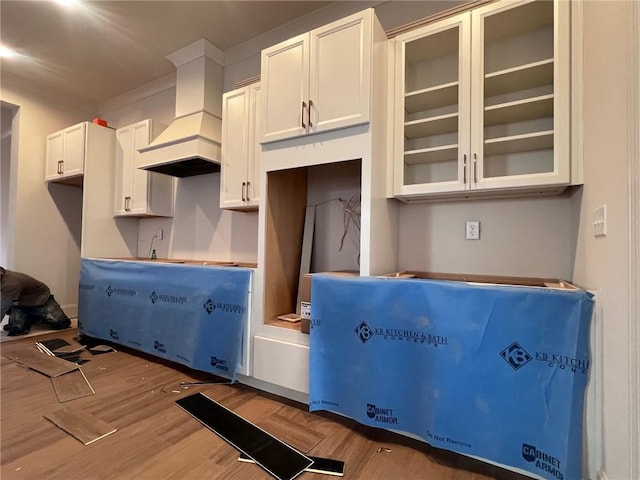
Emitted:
<point x="192" y="315"/>
<point x="496" y="372"/>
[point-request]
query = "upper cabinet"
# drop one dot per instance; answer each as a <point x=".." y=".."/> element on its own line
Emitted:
<point x="239" y="182"/>
<point x="138" y="192"/>
<point x="66" y="154"/>
<point x="482" y="103"/>
<point x="318" y="81"/>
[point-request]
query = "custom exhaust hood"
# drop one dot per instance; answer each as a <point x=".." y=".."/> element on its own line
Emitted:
<point x="191" y="144"/>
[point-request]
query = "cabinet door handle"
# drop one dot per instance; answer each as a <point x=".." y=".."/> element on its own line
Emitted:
<point x="309" y="113"/>
<point x="248" y="193"/>
<point x="127" y="204"/>
<point x="244" y="187"/>
<point x="304" y="106"/>
<point x="475" y="168"/>
<point x="464" y="169"/>
<point x="60" y="167"/>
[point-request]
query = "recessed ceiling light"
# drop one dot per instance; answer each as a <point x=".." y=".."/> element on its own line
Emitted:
<point x="6" y="52"/>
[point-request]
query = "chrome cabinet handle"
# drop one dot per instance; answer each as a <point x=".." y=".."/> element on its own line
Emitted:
<point x="309" y="113"/>
<point x="244" y="187"/>
<point x="304" y="106"/>
<point x="60" y="168"/>
<point x="475" y="168"/>
<point x="127" y="204"/>
<point x="248" y="192"/>
<point x="464" y="169"/>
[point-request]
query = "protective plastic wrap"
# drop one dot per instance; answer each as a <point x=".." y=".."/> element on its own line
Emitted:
<point x="491" y="371"/>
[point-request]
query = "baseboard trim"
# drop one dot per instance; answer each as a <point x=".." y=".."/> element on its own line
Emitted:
<point x="70" y="310"/>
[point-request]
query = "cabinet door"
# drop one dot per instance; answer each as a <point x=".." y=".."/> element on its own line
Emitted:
<point x="340" y="73"/>
<point x="54" y="155"/>
<point x="74" y="150"/>
<point x="140" y="199"/>
<point x="255" y="149"/>
<point x="520" y="95"/>
<point x="123" y="167"/>
<point x="235" y="147"/>
<point x="432" y="108"/>
<point x="285" y="84"/>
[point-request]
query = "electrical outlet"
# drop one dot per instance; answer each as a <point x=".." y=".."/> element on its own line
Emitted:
<point x="472" y="230"/>
<point x="160" y="234"/>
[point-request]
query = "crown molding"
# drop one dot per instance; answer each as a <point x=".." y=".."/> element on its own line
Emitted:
<point x="138" y="94"/>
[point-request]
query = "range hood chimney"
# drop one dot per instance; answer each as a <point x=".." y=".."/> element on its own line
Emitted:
<point x="191" y="144"/>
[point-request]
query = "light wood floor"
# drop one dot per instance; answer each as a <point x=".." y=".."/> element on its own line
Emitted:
<point x="157" y="440"/>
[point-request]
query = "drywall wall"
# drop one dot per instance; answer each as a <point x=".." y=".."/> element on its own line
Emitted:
<point x="6" y="118"/>
<point x="532" y="237"/>
<point x="46" y="217"/>
<point x="602" y="264"/>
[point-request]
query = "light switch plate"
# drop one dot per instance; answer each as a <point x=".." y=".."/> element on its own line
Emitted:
<point x="600" y="221"/>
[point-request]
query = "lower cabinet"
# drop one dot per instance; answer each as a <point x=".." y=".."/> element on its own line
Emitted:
<point x="281" y="363"/>
<point x="138" y="192"/>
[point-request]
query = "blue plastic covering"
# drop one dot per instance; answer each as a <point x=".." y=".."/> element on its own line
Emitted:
<point x="497" y="372"/>
<point x="193" y="315"/>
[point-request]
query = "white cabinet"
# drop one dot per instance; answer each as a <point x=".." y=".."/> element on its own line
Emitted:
<point x="138" y="192"/>
<point x="482" y="103"/>
<point x="65" y="155"/>
<point x="318" y="81"/>
<point x="239" y="185"/>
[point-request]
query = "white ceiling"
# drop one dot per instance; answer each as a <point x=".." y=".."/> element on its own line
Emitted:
<point x="101" y="49"/>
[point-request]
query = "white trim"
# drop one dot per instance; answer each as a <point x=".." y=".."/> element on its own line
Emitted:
<point x="602" y="475"/>
<point x="138" y="94"/>
<point x="577" y="92"/>
<point x="633" y="146"/>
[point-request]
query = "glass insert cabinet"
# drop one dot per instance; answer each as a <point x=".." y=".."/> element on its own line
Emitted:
<point x="482" y="102"/>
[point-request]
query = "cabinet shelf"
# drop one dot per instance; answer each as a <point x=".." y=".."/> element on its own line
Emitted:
<point x="519" y="78"/>
<point x="431" y="126"/>
<point x="430" y="98"/>
<point x="516" y="21"/>
<point x="519" y="111"/>
<point x="431" y="155"/>
<point x="519" y="143"/>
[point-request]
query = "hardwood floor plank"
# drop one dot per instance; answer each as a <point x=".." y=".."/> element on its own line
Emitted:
<point x="295" y="434"/>
<point x="156" y="440"/>
<point x="71" y="385"/>
<point x="82" y="425"/>
<point x="38" y="361"/>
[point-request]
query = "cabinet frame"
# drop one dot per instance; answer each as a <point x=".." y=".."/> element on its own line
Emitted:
<point x="296" y="73"/>
<point x="239" y="179"/>
<point x="139" y="193"/>
<point x="474" y="150"/>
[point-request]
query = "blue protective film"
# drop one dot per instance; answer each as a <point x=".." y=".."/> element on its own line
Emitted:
<point x="189" y="314"/>
<point x="492" y="371"/>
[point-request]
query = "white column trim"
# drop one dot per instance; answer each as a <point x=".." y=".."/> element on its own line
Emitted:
<point x="633" y="147"/>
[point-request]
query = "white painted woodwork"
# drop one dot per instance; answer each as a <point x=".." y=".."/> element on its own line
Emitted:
<point x="65" y="154"/>
<point x="282" y="363"/>
<point x="318" y="81"/>
<point x="285" y="79"/>
<point x="281" y="354"/>
<point x="239" y="187"/>
<point x="103" y="235"/>
<point x="483" y="103"/>
<point x="138" y="192"/>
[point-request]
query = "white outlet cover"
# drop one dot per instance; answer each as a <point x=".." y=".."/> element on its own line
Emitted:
<point x="472" y="230"/>
<point x="600" y="221"/>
